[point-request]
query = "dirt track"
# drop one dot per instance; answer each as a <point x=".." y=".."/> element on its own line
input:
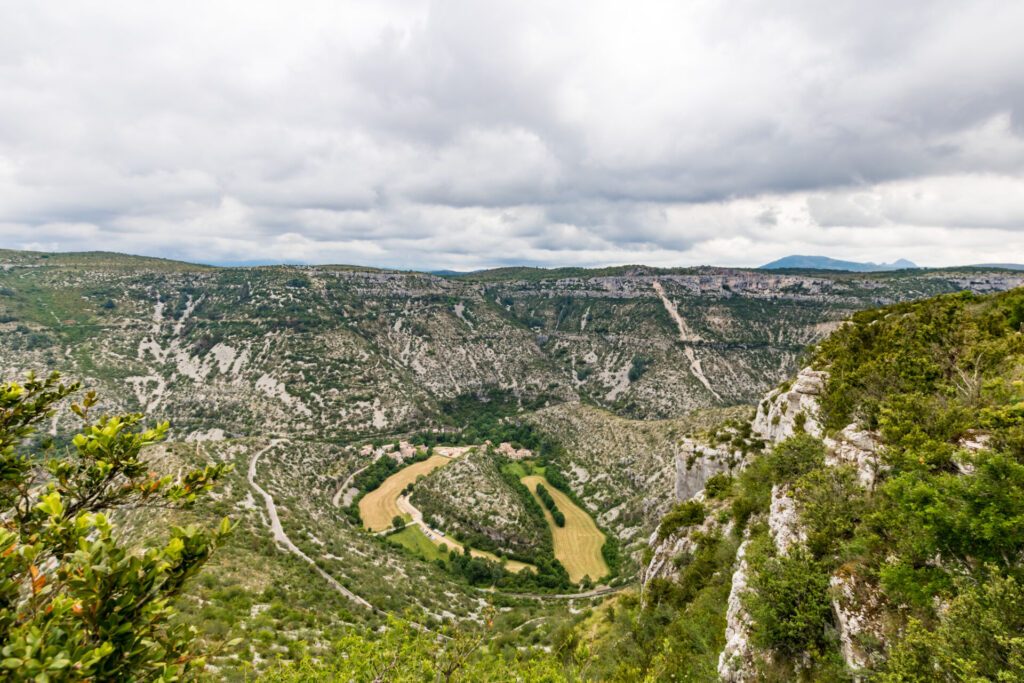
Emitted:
<point x="578" y="543"/>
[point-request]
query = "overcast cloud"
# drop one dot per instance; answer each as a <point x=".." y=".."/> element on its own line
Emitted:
<point x="470" y="134"/>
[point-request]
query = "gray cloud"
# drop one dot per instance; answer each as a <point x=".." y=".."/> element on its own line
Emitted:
<point x="443" y="134"/>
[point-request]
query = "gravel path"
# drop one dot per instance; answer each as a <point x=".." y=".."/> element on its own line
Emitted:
<point x="336" y="501"/>
<point x="282" y="538"/>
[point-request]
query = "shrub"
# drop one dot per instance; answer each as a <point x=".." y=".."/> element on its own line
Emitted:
<point x="831" y="503"/>
<point x="753" y="490"/>
<point x="684" y="514"/>
<point x="75" y="604"/>
<point x="718" y="486"/>
<point x="795" y="456"/>
<point x="790" y="604"/>
<point x="978" y="638"/>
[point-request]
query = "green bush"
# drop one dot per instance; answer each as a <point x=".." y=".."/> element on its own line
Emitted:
<point x="980" y="637"/>
<point x="831" y="503"/>
<point x="682" y="515"/>
<point x="790" y="605"/>
<point x="752" y="491"/>
<point x="76" y="604"/>
<point x="718" y="486"/>
<point x="795" y="456"/>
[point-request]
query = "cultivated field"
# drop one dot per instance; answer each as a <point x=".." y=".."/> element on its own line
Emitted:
<point x="378" y="507"/>
<point x="578" y="543"/>
<point x="417" y="539"/>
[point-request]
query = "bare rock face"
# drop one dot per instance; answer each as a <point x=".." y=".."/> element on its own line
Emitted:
<point x="857" y="447"/>
<point x="779" y="414"/>
<point x="665" y="551"/>
<point x="737" y="662"/>
<point x="696" y="463"/>
<point x="660" y="566"/>
<point x="784" y="521"/>
<point x="856" y="606"/>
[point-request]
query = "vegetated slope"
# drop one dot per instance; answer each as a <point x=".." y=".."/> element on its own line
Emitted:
<point x="578" y="541"/>
<point x="881" y="531"/>
<point x="256" y="590"/>
<point x="472" y="500"/>
<point x="623" y="468"/>
<point x="337" y="351"/>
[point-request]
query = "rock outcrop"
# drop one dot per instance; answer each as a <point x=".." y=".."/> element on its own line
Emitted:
<point x="783" y="413"/>
<point x="856" y="605"/>
<point x="737" y="662"/>
<point x="857" y="447"/>
<point x="786" y="410"/>
<point x="697" y="462"/>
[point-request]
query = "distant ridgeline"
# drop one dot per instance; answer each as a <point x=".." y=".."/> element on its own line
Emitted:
<point x="826" y="263"/>
<point x="335" y="351"/>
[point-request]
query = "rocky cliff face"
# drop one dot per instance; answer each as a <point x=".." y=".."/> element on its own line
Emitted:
<point x="790" y="408"/>
<point x="782" y="413"/>
<point x="697" y="462"/>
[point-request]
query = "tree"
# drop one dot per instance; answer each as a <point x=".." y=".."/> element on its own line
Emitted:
<point x="978" y="638"/>
<point x="790" y="604"/>
<point x="397" y="522"/>
<point x="75" y="604"/>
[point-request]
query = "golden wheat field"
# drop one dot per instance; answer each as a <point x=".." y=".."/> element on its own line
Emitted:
<point x="578" y="543"/>
<point x="379" y="507"/>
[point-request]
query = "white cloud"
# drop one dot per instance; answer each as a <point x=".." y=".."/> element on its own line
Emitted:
<point x="441" y="134"/>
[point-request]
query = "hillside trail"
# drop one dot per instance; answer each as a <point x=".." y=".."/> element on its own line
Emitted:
<point x="687" y="337"/>
<point x="282" y="538"/>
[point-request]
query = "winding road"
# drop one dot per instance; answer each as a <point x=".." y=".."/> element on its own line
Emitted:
<point x="282" y="538"/>
<point x="336" y="500"/>
<point x="593" y="593"/>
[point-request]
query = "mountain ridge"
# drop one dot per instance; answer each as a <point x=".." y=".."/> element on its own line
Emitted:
<point x="803" y="262"/>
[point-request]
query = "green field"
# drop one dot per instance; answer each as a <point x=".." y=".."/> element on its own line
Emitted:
<point x="523" y="468"/>
<point x="412" y="538"/>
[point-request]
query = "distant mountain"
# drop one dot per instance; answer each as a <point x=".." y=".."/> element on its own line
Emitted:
<point x="826" y="263"/>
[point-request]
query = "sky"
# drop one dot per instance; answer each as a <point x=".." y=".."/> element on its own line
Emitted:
<point x="464" y="135"/>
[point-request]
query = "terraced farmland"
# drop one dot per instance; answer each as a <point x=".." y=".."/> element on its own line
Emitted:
<point x="578" y="543"/>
